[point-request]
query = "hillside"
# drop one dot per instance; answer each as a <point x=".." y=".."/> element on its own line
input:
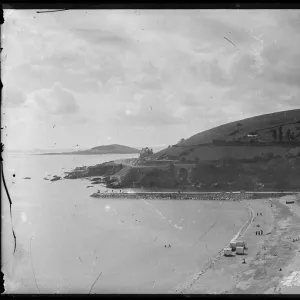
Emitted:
<point x="259" y="153"/>
<point x="262" y="133"/>
<point x="114" y="148"/>
<point x="105" y="149"/>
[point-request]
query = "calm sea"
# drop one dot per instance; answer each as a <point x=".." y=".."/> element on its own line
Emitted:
<point x="66" y="239"/>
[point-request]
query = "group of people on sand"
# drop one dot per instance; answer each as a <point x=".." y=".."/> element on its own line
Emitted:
<point x="259" y="232"/>
<point x="169" y="246"/>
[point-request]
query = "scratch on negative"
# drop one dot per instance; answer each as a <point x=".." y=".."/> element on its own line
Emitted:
<point x="230" y="42"/>
<point x="204" y="234"/>
<point x="33" y="267"/>
<point x="50" y="11"/>
<point x="10" y="204"/>
<point x="95" y="282"/>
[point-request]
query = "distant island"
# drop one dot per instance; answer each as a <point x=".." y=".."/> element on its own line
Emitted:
<point x="105" y="149"/>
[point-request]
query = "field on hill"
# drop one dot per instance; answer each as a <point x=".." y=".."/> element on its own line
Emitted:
<point x="277" y="132"/>
<point x="260" y="125"/>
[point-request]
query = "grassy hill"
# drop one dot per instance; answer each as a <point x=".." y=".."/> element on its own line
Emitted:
<point x="259" y="153"/>
<point x="234" y="139"/>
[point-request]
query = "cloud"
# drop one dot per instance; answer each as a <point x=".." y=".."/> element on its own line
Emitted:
<point x="54" y="101"/>
<point x="114" y="65"/>
<point x="148" y="110"/>
<point x="12" y="96"/>
<point x="149" y="82"/>
<point x="210" y="71"/>
<point x="101" y="37"/>
<point x="191" y="101"/>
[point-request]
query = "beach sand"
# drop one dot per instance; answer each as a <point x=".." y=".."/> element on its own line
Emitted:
<point x="266" y="255"/>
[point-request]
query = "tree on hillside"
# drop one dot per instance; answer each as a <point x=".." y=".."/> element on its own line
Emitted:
<point x="171" y="167"/>
<point x="146" y="152"/>
<point x="181" y="140"/>
<point x="274" y="134"/>
<point x="280" y="133"/>
<point x="288" y="134"/>
<point x="183" y="175"/>
<point x="182" y="159"/>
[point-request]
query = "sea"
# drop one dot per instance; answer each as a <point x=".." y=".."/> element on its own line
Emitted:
<point x="70" y="243"/>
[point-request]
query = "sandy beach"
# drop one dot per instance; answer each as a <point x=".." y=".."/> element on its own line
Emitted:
<point x="272" y="259"/>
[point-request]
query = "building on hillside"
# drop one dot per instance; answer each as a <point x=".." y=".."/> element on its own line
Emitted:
<point x="227" y="251"/>
<point x="240" y="244"/>
<point x="232" y="245"/>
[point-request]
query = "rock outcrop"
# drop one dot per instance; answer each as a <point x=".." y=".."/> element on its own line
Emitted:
<point x="108" y="168"/>
<point x="55" y="178"/>
<point x="278" y="173"/>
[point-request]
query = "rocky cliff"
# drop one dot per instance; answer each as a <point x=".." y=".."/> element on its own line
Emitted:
<point x="269" y="173"/>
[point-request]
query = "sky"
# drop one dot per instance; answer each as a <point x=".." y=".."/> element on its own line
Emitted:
<point x="142" y="77"/>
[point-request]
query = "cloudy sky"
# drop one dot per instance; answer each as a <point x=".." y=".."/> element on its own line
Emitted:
<point x="142" y="77"/>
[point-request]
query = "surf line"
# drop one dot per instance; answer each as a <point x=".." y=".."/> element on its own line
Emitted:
<point x="189" y="283"/>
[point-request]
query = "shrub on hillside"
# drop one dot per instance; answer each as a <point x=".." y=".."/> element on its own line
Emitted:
<point x="233" y="133"/>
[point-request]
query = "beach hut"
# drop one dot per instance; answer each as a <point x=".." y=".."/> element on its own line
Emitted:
<point x="227" y="251"/>
<point x="232" y="245"/>
<point x="240" y="244"/>
<point x="240" y="250"/>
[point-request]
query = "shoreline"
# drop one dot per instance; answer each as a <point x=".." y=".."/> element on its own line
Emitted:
<point x="183" y="287"/>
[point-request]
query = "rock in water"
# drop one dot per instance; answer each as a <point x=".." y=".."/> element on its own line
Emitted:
<point x="55" y="178"/>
